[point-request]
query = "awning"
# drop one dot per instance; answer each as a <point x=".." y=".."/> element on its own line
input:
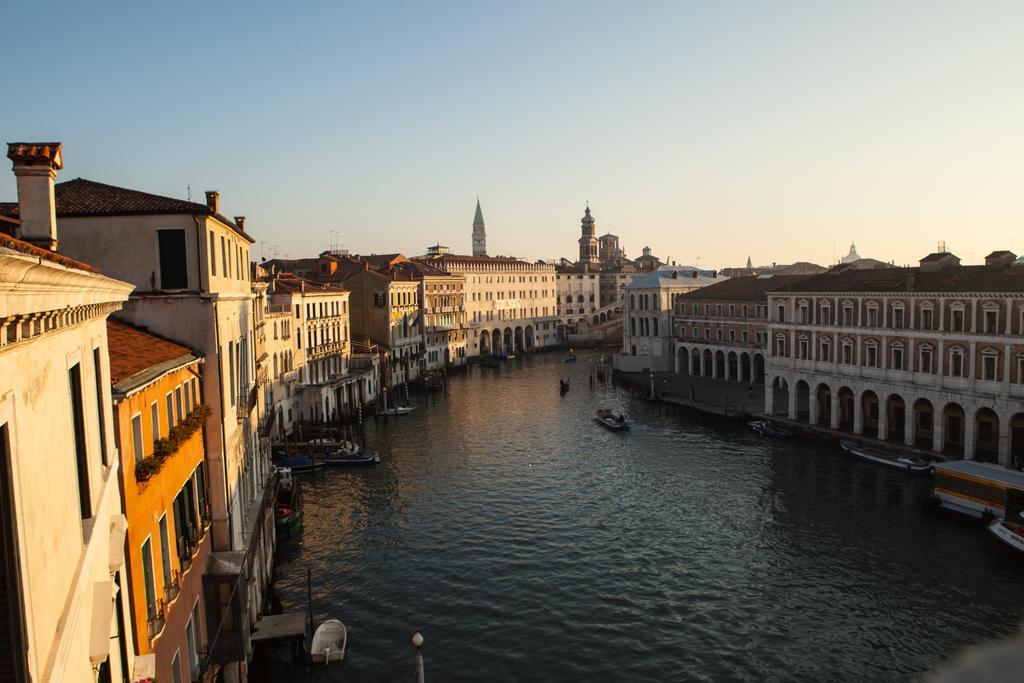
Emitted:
<point x="99" y="625"/>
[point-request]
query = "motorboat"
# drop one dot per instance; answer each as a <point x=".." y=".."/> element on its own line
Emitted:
<point x="977" y="491"/>
<point x="329" y="642"/>
<point x="334" y="446"/>
<point x="357" y="458"/>
<point x="607" y="419"/>
<point x="907" y="463"/>
<point x="1009" y="533"/>
<point x="298" y="464"/>
<point x="401" y="410"/>
<point x="769" y="428"/>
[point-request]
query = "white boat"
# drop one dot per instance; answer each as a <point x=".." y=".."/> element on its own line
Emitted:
<point x="900" y="462"/>
<point x="329" y="642"/>
<point x="330" y="446"/>
<point x="977" y="489"/>
<point x="1010" y="534"/>
<point x="402" y="410"/>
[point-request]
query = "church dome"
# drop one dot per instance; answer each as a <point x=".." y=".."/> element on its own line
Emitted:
<point x="587" y="218"/>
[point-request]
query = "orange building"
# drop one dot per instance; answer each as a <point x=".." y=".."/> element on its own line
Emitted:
<point x="159" y="427"/>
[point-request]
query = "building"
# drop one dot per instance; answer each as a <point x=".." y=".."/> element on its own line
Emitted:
<point x="62" y="566"/>
<point x="510" y="304"/>
<point x="721" y="330"/>
<point x="442" y="318"/>
<point x="159" y="421"/>
<point x="190" y="268"/>
<point x="647" y="338"/>
<point x="931" y="356"/>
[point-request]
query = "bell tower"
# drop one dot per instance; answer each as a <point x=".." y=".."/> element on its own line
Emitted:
<point x="588" y="243"/>
<point x="479" y="235"/>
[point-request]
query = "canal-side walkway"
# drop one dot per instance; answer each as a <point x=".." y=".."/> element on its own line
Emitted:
<point x="730" y="399"/>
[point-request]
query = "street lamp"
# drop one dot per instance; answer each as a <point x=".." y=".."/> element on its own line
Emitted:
<point x="417" y="641"/>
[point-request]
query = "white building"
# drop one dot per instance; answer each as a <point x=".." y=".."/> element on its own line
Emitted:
<point x="647" y="335"/>
<point x="62" y="564"/>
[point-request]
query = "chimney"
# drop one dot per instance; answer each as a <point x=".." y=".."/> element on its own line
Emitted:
<point x="35" y="166"/>
<point x="240" y="222"/>
<point x="213" y="200"/>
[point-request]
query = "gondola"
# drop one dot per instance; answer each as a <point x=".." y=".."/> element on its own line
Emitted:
<point x="340" y="458"/>
<point x="769" y="428"/>
<point x="298" y="464"/>
<point x="608" y="420"/>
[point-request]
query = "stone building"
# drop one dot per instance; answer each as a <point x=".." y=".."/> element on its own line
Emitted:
<point x="63" y="575"/>
<point x="158" y="409"/>
<point x="190" y="267"/>
<point x="931" y="356"/>
<point x="721" y="330"/>
<point x="647" y="334"/>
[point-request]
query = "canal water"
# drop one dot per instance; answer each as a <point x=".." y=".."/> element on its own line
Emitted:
<point x="527" y="543"/>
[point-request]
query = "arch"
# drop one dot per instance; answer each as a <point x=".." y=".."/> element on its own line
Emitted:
<point x="869" y="414"/>
<point x="719" y="364"/>
<point x="759" y="368"/>
<point x="506" y="339"/>
<point x="708" y="363"/>
<point x="485" y="343"/>
<point x="953" y="429"/>
<point x="517" y="339"/>
<point x="780" y="392"/>
<point x="986" y="435"/>
<point x="603" y="318"/>
<point x="745" y="367"/>
<point x="803" y="401"/>
<point x="733" y="367"/>
<point x="1016" y="428"/>
<point x="695" y="362"/>
<point x="597" y="320"/>
<point x="495" y="341"/>
<point x="683" y="361"/>
<point x="924" y="423"/>
<point x="529" y="337"/>
<point x="823" y="401"/>
<point x="895" y="418"/>
<point x="845" y="405"/>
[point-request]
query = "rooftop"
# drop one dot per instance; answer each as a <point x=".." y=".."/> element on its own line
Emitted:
<point x="138" y="357"/>
<point x="954" y="279"/>
<point x="14" y="244"/>
<point x="748" y="288"/>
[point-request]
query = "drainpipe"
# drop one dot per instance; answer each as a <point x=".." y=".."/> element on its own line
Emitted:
<point x="223" y="441"/>
<point x="199" y="252"/>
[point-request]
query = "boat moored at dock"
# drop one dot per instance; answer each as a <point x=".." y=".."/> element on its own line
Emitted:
<point x="976" y="489"/>
<point x="906" y="463"/>
<point x="769" y="428"/>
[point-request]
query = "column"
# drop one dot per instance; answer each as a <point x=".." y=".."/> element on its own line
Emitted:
<point x="938" y="426"/>
<point x="908" y="425"/>
<point x="769" y="397"/>
<point x="1004" y="438"/>
<point x="813" y="406"/>
<point x="968" y="434"/>
<point x="792" y="400"/>
<point x="835" y="411"/>
<point x="883" y="418"/>
<point x="858" y="415"/>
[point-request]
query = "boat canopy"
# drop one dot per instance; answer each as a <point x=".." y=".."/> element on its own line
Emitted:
<point x="982" y="470"/>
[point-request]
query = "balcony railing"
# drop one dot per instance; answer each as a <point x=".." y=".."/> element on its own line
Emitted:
<point x="156" y="619"/>
<point x="245" y="403"/>
<point x="173" y="587"/>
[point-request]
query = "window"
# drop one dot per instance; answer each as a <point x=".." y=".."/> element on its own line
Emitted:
<point x="732" y="335"/>
<point x="732" y="311"/>
<point x="100" y="404"/>
<point x="897" y="357"/>
<point x="871" y="354"/>
<point x="165" y="552"/>
<point x="180" y="406"/>
<point x="848" y="352"/>
<point x="148" y="579"/>
<point x="173" y="269"/>
<point x="169" y="399"/>
<point x="989" y="364"/>
<point x="956" y="362"/>
<point x="743" y="335"/>
<point x="379" y="299"/>
<point x="718" y="334"/>
<point x="848" y="314"/>
<point x="1020" y="369"/>
<point x="925" y="359"/>
<point x="231" y="370"/>
<point x="213" y="254"/>
<point x="897" y="318"/>
<point x="137" y="438"/>
<point x="927" y="317"/>
<point x="782" y="314"/>
<point x="802" y="346"/>
<point x="190" y="643"/>
<point x="956" y="319"/>
<point x="154" y="416"/>
<point x="718" y="310"/>
<point x="81" y="454"/>
<point x="991" y="321"/>
<point x="872" y="315"/>
<point x="224" y="257"/>
<point x="176" y="668"/>
<point x="825" y="316"/>
<point x="780" y="346"/>
<point x="825" y="355"/>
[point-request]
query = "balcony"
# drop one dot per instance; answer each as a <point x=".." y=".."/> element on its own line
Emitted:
<point x="156" y="620"/>
<point x="245" y="403"/>
<point x="166" y="448"/>
<point x="173" y="588"/>
<point x="326" y="349"/>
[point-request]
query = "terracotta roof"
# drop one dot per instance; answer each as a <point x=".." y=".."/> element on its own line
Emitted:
<point x="744" y="288"/>
<point x="293" y="283"/>
<point x="8" y="242"/>
<point x="136" y="354"/>
<point x="954" y="279"/>
<point x="36" y="151"/>
<point x="81" y="197"/>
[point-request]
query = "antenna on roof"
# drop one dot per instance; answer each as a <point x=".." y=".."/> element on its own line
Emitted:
<point x="188" y="191"/>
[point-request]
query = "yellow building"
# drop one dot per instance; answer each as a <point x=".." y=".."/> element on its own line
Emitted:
<point x="159" y="427"/>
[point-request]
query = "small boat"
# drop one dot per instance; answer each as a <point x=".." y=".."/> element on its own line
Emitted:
<point x="563" y="387"/>
<point x="298" y="463"/>
<point x="329" y="642"/>
<point x="1010" y="534"/>
<point x="616" y="423"/>
<point x="288" y="504"/>
<point x="358" y="458"/>
<point x="332" y="446"/>
<point x="769" y="428"/>
<point x="287" y="520"/>
<point x="571" y="358"/>
<point x="910" y="464"/>
<point x="401" y="410"/>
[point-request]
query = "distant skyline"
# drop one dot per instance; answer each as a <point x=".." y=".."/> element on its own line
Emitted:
<point x="708" y="131"/>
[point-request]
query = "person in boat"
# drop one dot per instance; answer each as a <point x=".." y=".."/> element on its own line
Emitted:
<point x="621" y="418"/>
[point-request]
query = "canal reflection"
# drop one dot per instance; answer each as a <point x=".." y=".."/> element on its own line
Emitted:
<point x="527" y="543"/>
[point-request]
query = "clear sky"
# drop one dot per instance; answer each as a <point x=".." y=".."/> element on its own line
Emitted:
<point x="709" y="131"/>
